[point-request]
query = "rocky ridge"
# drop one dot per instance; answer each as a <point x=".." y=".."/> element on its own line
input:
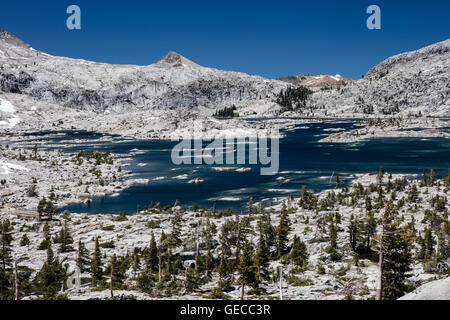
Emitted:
<point x="414" y="83"/>
<point x="162" y="99"/>
<point x="172" y="83"/>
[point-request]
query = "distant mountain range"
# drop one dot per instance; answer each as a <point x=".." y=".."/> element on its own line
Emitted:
<point x="173" y="82"/>
<point x="412" y="83"/>
<point x="317" y="81"/>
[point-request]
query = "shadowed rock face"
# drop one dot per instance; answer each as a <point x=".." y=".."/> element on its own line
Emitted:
<point x="12" y="83"/>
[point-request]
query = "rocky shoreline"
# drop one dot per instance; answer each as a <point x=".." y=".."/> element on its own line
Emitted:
<point x="393" y="128"/>
<point x="178" y="124"/>
<point x="28" y="175"/>
<point x="323" y="278"/>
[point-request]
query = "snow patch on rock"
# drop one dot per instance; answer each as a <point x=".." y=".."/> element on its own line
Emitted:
<point x="8" y="168"/>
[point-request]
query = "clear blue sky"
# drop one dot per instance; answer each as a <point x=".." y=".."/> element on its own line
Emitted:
<point x="269" y="38"/>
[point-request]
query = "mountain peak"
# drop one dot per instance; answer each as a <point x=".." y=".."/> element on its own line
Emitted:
<point x="176" y="60"/>
<point x="12" y="39"/>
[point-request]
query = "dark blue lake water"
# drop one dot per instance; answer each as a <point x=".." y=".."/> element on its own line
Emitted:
<point x="303" y="161"/>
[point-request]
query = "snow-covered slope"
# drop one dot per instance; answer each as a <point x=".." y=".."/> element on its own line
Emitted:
<point x="412" y="83"/>
<point x="173" y="82"/>
<point x="8" y="119"/>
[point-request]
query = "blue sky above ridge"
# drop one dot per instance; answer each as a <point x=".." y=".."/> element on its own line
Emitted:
<point x="268" y="38"/>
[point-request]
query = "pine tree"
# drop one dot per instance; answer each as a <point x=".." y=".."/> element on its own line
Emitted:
<point x="162" y="251"/>
<point x="82" y="257"/>
<point x="268" y="231"/>
<point x="135" y="264"/>
<point x="353" y="233"/>
<point x="332" y="248"/>
<point x="5" y="244"/>
<point x="41" y="208"/>
<point x="6" y="285"/>
<point x="190" y="280"/>
<point x="250" y="206"/>
<point x="225" y="268"/>
<point x="208" y="234"/>
<point x="396" y="255"/>
<point x="50" y="209"/>
<point x="368" y="203"/>
<point x="443" y="243"/>
<point x="247" y="270"/>
<point x="290" y="199"/>
<point x="283" y="232"/>
<point x="51" y="277"/>
<point x="65" y="239"/>
<point x="22" y="284"/>
<point x="151" y="262"/>
<point x="174" y="239"/>
<point x="380" y="175"/>
<point x="432" y="177"/>
<point x="145" y="281"/>
<point x="116" y="271"/>
<point x="427" y="245"/>
<point x="46" y="243"/>
<point x="299" y="254"/>
<point x="413" y="193"/>
<point x="425" y="180"/>
<point x="112" y="268"/>
<point x="238" y="240"/>
<point x="199" y="265"/>
<point x="303" y="198"/>
<point x="96" y="265"/>
<point x="262" y="257"/>
<point x="332" y="230"/>
<point x="369" y="229"/>
<point x="47" y="208"/>
<point x="25" y="241"/>
<point x="231" y="236"/>
<point x="380" y="199"/>
<point x="209" y="261"/>
<point x="447" y="181"/>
